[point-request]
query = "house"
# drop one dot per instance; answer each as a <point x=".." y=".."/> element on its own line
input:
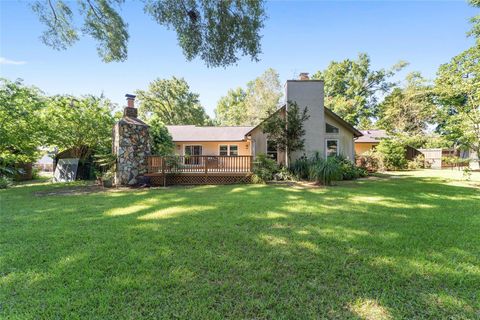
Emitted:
<point x="369" y="140"/>
<point x="325" y="132"/>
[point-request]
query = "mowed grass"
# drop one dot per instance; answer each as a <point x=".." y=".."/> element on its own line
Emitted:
<point x="407" y="246"/>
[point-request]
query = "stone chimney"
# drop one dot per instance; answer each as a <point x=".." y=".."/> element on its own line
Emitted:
<point x="130" y="110"/>
<point x="303" y="76"/>
<point x="131" y="145"/>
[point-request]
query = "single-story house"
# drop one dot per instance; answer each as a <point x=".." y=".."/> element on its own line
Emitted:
<point x="325" y="132"/>
<point x="369" y="140"/>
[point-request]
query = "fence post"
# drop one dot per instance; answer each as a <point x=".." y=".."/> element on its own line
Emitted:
<point x="251" y="164"/>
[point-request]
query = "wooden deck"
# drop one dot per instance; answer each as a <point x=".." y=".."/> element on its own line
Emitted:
<point x="188" y="170"/>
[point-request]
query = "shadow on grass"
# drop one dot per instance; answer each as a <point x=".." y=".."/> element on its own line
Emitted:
<point x="393" y="248"/>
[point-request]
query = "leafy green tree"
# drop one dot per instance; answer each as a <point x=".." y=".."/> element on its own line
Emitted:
<point x="217" y="32"/>
<point x="162" y="143"/>
<point x="475" y="32"/>
<point x="352" y="88"/>
<point x="408" y="110"/>
<point x="392" y="154"/>
<point x="172" y="102"/>
<point x="231" y="109"/>
<point x="82" y="124"/>
<point x="21" y="122"/>
<point x="250" y="106"/>
<point x="287" y="131"/>
<point x="458" y="89"/>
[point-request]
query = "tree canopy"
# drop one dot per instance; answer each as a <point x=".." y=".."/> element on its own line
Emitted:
<point x="352" y="88"/>
<point x="218" y="32"/>
<point x="251" y="105"/>
<point x="172" y="102"/>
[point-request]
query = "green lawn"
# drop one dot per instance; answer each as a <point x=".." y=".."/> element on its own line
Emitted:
<point x="406" y="246"/>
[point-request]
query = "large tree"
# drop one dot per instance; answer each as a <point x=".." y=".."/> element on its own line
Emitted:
<point x="352" y="88"/>
<point x="458" y="89"/>
<point x="475" y="31"/>
<point x="82" y="123"/>
<point x="21" y="122"/>
<point x="408" y="110"/>
<point x="218" y="32"/>
<point x="251" y="105"/>
<point x="172" y="102"/>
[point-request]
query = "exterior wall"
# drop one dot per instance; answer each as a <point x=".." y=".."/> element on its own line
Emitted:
<point x="259" y="139"/>
<point x="131" y="144"/>
<point x="309" y="93"/>
<point x="362" y="147"/>
<point x="344" y="137"/>
<point x="212" y="148"/>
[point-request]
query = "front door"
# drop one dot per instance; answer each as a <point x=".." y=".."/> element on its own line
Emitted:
<point x="190" y="154"/>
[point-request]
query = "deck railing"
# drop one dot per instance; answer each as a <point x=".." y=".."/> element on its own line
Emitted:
<point x="200" y="164"/>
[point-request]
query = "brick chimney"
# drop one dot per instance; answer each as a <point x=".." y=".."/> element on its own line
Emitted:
<point x="130" y="110"/>
<point x="303" y="76"/>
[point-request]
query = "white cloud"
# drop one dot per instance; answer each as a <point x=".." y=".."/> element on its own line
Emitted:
<point x="7" y="61"/>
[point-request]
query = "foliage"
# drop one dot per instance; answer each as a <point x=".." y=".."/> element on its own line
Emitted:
<point x="172" y="102"/>
<point x="79" y="123"/>
<point x="352" y="88"/>
<point x="216" y="32"/>
<point x="408" y="110"/>
<point x="349" y="170"/>
<point x="231" y="109"/>
<point x="475" y="21"/>
<point x="326" y="170"/>
<point x="21" y="122"/>
<point x="391" y="154"/>
<point x="287" y="131"/>
<point x="264" y="168"/>
<point x="458" y="89"/>
<point x="369" y="160"/>
<point x="162" y="143"/>
<point x="251" y="105"/>
<point x="5" y="182"/>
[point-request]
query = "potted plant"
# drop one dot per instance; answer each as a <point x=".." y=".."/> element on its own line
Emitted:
<point x="107" y="178"/>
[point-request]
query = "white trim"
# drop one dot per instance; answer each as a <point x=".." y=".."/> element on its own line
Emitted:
<point x="230" y="152"/>
<point x="223" y="145"/>
<point x="326" y="146"/>
<point x="192" y="145"/>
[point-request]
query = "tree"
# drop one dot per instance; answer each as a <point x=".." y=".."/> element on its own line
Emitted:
<point x="82" y="123"/>
<point x="21" y="122"/>
<point x="172" y="102"/>
<point x="162" y="143"/>
<point x="287" y="132"/>
<point x="215" y="31"/>
<point x="475" y="32"/>
<point x="231" y="109"/>
<point x="250" y="106"/>
<point x="408" y="110"/>
<point x="352" y="88"/>
<point x="458" y="89"/>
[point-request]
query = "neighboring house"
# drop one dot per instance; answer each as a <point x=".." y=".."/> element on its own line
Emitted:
<point x="369" y="140"/>
<point x="325" y="132"/>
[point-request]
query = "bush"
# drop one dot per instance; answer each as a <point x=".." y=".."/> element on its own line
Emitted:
<point x="5" y="182"/>
<point x="328" y="170"/>
<point x="369" y="161"/>
<point x="264" y="168"/>
<point x="349" y="170"/>
<point x="392" y="154"/>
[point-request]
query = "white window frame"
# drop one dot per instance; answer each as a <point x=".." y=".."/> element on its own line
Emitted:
<point x="185" y="154"/>
<point x="229" y="149"/>
<point x="266" y="149"/>
<point x="223" y="145"/>
<point x="326" y="146"/>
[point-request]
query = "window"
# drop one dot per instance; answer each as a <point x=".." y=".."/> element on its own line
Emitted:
<point x="330" y="129"/>
<point x="272" y="150"/>
<point x="190" y="154"/>
<point x="223" y="150"/>
<point x="331" y="148"/>
<point x="233" y="150"/>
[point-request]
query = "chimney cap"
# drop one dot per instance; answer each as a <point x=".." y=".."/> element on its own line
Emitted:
<point x="304" y="76"/>
<point x="130" y="96"/>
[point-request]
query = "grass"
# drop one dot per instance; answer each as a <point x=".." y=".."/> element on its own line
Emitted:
<point x="407" y="246"/>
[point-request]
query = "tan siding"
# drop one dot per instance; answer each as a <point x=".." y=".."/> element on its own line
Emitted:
<point x="344" y="136"/>
<point x="361" y="148"/>
<point x="212" y="148"/>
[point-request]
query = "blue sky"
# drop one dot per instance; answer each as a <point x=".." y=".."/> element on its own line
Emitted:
<point x="298" y="36"/>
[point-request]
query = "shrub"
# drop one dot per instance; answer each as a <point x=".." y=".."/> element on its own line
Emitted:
<point x="264" y="168"/>
<point x="5" y="182"/>
<point x="392" y="154"/>
<point x="370" y="161"/>
<point x="300" y="168"/>
<point x="349" y="170"/>
<point x="327" y="170"/>
<point x="284" y="175"/>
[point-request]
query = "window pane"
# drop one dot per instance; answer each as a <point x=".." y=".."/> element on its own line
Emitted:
<point x="272" y="150"/>
<point x="223" y="150"/>
<point x="332" y="148"/>
<point x="330" y="128"/>
<point x="234" y="150"/>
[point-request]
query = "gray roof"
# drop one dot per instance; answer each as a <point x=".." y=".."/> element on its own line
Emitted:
<point x="194" y="133"/>
<point x="372" y="136"/>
